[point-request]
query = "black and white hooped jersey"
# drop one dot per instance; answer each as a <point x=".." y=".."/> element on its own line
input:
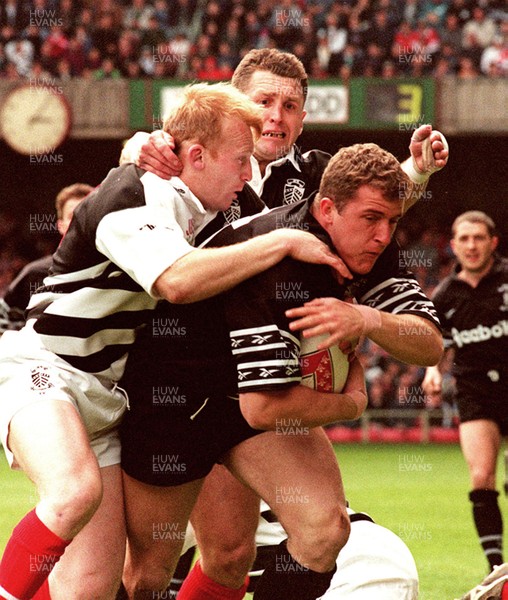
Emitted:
<point x="475" y="320"/>
<point x="291" y="178"/>
<point x="122" y="237"/>
<point x="266" y="351"/>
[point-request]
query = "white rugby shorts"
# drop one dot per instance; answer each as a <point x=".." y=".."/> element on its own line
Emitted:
<point x="30" y="373"/>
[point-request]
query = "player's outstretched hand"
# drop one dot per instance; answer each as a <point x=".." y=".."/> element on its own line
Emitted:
<point x="429" y="150"/>
<point x="307" y="247"/>
<point x="339" y="319"/>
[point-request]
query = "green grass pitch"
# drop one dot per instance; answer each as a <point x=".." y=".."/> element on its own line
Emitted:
<point x="417" y="491"/>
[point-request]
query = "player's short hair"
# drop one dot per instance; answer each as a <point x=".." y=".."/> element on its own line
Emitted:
<point x="475" y="216"/>
<point x="362" y="164"/>
<point x="199" y="113"/>
<point x="76" y="191"/>
<point x="283" y="64"/>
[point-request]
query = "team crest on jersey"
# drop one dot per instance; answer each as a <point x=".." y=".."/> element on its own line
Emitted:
<point x="504" y="291"/>
<point x="293" y="190"/>
<point x="41" y="379"/>
<point x="233" y="213"/>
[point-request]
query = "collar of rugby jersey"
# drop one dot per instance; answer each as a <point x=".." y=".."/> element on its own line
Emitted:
<point x="192" y="201"/>
<point x="257" y="182"/>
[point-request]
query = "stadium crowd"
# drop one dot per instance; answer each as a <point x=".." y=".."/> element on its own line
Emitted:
<point x="198" y="40"/>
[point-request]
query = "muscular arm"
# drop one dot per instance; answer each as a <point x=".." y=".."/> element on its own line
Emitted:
<point x="205" y="272"/>
<point x="300" y="406"/>
<point x="407" y="337"/>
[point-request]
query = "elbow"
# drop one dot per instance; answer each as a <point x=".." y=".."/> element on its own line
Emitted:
<point x="257" y="413"/>
<point x="175" y="290"/>
<point x="435" y="350"/>
<point x="361" y="404"/>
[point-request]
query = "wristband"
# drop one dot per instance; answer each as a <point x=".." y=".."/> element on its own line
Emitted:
<point x="371" y="318"/>
<point x="414" y="175"/>
<point x="411" y="169"/>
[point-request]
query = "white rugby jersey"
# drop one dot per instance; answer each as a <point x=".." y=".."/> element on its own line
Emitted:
<point x="99" y="291"/>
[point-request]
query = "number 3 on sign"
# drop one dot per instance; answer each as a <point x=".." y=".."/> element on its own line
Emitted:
<point x="410" y="102"/>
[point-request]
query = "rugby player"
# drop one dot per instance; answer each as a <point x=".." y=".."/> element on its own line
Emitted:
<point x="472" y="304"/>
<point x="129" y="244"/>
<point x="17" y="296"/>
<point x="374" y="560"/>
<point x="277" y="81"/>
<point x="164" y="471"/>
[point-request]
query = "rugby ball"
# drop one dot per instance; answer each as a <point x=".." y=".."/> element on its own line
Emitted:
<point x="322" y="370"/>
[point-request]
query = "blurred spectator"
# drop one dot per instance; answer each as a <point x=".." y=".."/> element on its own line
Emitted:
<point x="339" y="38"/>
<point x="233" y="35"/>
<point x="21" y="54"/>
<point x="63" y="70"/>
<point x="335" y="33"/>
<point x="67" y="14"/>
<point x="182" y="17"/>
<point x="460" y="8"/>
<point x="56" y="44"/>
<point x="479" y="31"/>
<point x="373" y="60"/>
<point x="14" y="13"/>
<point x="137" y="15"/>
<point x="105" y="36"/>
<point x="153" y="35"/>
<point x="381" y="32"/>
<point x="451" y="33"/>
<point x="467" y="68"/>
<point x="437" y="8"/>
<point x="494" y="59"/>
<point x="107" y="70"/>
<point x="93" y="59"/>
<point x="404" y="45"/>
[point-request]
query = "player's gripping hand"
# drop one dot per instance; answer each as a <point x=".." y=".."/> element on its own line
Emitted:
<point x="153" y="152"/>
<point x="429" y="152"/>
<point x="306" y="247"/>
<point x="342" y="321"/>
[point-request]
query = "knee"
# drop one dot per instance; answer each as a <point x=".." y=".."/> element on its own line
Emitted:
<point x="150" y="578"/>
<point x="320" y="539"/>
<point x="71" y="502"/>
<point x="228" y="563"/>
<point x="483" y="478"/>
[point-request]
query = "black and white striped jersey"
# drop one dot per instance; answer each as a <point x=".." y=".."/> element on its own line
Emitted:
<point x="266" y="351"/>
<point x="99" y="291"/>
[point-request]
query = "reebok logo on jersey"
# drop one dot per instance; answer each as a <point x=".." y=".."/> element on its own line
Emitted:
<point x="480" y="333"/>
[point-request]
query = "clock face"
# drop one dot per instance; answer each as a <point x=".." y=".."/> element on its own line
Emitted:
<point x="35" y="120"/>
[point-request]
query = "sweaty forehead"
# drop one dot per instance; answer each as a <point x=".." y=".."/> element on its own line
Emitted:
<point x="274" y="85"/>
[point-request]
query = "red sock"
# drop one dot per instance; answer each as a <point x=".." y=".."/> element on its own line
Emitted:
<point x="43" y="592"/>
<point x="31" y="553"/>
<point x="504" y="595"/>
<point x="198" y="586"/>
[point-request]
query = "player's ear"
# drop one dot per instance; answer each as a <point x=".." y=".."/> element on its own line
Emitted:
<point x="195" y="154"/>
<point x="494" y="242"/>
<point x="327" y="208"/>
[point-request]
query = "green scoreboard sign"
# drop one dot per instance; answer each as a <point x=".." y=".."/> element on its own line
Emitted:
<point x="364" y="103"/>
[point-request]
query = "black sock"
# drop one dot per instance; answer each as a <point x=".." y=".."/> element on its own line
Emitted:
<point x="286" y="579"/>
<point x="489" y="524"/>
